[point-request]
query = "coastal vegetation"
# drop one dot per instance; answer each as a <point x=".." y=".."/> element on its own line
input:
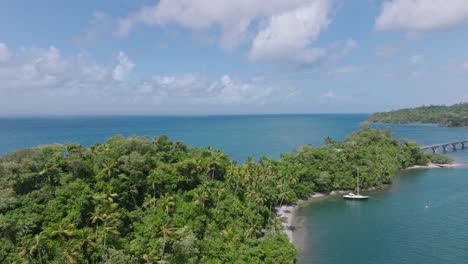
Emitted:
<point x="140" y="200"/>
<point x="452" y="116"/>
<point x="440" y="159"/>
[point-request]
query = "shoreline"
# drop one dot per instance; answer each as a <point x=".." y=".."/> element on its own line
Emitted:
<point x="434" y="166"/>
<point x="288" y="211"/>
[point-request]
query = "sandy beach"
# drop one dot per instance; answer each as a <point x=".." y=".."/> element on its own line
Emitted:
<point x="288" y="213"/>
<point x="434" y="166"/>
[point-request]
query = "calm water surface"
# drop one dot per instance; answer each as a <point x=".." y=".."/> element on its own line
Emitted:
<point x="395" y="226"/>
<point x="392" y="227"/>
<point x="239" y="136"/>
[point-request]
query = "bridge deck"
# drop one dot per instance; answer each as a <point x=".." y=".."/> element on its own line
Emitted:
<point x="446" y="144"/>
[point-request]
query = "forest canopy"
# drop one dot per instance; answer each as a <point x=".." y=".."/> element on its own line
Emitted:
<point x="452" y="116"/>
<point x="140" y="200"/>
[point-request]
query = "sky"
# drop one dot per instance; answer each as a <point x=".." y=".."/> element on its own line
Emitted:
<point x="214" y="57"/>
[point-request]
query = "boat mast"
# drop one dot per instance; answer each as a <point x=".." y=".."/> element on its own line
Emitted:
<point x="357" y="181"/>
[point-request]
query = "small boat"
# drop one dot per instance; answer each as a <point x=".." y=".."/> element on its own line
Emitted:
<point x="352" y="196"/>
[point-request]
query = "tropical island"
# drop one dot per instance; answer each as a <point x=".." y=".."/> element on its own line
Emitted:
<point x="140" y="200"/>
<point x="451" y="116"/>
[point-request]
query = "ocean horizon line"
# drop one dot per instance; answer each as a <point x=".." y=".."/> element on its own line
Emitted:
<point x="174" y="115"/>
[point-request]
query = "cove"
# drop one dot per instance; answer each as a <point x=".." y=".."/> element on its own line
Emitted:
<point x="420" y="218"/>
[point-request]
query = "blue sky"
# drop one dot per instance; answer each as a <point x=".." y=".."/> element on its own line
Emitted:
<point x="230" y="57"/>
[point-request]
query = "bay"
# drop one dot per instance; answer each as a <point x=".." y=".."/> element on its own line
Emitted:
<point x="420" y="218"/>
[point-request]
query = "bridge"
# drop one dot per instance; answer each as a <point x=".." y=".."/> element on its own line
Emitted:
<point x="445" y="146"/>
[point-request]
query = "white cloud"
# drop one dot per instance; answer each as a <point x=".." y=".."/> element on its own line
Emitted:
<point x="4" y="52"/>
<point x="280" y="29"/>
<point x="232" y="17"/>
<point x="421" y="15"/>
<point x="123" y="68"/>
<point x="288" y="36"/>
<point x="58" y="80"/>
<point x="416" y="59"/>
<point x="46" y="72"/>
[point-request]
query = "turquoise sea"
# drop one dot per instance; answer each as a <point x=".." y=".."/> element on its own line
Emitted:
<point x="395" y="226"/>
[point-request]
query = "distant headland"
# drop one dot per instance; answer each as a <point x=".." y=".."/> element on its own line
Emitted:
<point x="451" y="116"/>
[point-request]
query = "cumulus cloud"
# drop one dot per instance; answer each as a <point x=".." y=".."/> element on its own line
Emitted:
<point x="232" y="17"/>
<point x="281" y="29"/>
<point x="4" y="52"/>
<point x="421" y="15"/>
<point x="123" y="68"/>
<point x="288" y="36"/>
<point x="48" y="75"/>
<point x="45" y="71"/>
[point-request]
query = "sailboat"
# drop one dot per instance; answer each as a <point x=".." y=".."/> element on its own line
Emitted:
<point x="352" y="196"/>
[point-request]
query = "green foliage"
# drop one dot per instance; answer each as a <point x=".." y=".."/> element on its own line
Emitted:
<point x="451" y="116"/>
<point x="439" y="159"/>
<point x="136" y="200"/>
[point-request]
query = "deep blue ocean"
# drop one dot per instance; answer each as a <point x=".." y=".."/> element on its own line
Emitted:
<point x="239" y="136"/>
<point x="394" y="226"/>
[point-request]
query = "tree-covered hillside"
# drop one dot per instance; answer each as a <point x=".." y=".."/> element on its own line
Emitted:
<point x="137" y="200"/>
<point x="454" y="115"/>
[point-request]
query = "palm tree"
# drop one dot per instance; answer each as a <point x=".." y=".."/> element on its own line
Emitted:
<point x="72" y="251"/>
<point x="284" y="194"/>
<point x="38" y="246"/>
<point x="252" y="231"/>
<point x="106" y="212"/>
<point x="166" y="232"/>
<point x="231" y="171"/>
<point x="219" y="193"/>
<point x="109" y="168"/>
<point x="155" y="178"/>
<point x="167" y="202"/>
<point x="328" y="141"/>
<point x="64" y="230"/>
<point x="214" y="162"/>
<point x="149" y="201"/>
<point x="277" y="224"/>
<point x="200" y="195"/>
<point x="86" y="239"/>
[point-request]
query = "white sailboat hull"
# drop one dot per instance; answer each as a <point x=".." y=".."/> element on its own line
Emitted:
<point x="352" y="196"/>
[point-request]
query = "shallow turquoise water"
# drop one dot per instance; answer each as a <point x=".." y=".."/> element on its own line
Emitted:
<point x="393" y="227"/>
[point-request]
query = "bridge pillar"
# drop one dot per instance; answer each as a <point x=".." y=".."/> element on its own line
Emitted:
<point x="434" y="149"/>
<point x="463" y="144"/>
<point x="444" y="147"/>
<point x="454" y="145"/>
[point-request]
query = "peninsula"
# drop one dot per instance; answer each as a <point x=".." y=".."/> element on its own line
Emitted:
<point x="451" y="116"/>
<point x="140" y="200"/>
